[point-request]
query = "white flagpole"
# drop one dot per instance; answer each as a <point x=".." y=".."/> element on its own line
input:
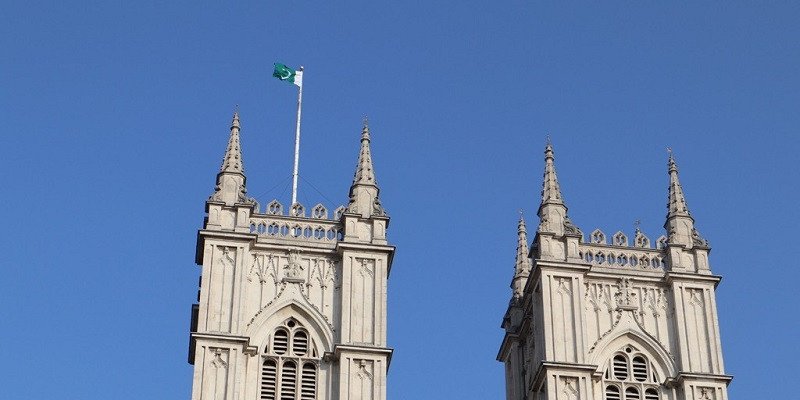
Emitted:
<point x="297" y="144"/>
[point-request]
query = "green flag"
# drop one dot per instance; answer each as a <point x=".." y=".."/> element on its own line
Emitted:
<point x="285" y="73"/>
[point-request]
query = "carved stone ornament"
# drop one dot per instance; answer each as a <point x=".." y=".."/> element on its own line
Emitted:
<point x="697" y="240"/>
<point x="598" y="237"/>
<point x="218" y="362"/>
<point x="352" y="207"/>
<point x="544" y="224"/>
<point x="293" y="268"/>
<point x="274" y="208"/>
<point x="640" y="240"/>
<point x="217" y="196"/>
<point x="338" y="213"/>
<point x="319" y="212"/>
<point x="570" y="228"/>
<point x="377" y="209"/>
<point x="620" y="239"/>
<point x="625" y="295"/>
<point x="570" y="388"/>
<point x="297" y="210"/>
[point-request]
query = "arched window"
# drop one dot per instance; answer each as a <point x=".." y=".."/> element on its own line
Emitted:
<point x="630" y="376"/>
<point x="290" y="363"/>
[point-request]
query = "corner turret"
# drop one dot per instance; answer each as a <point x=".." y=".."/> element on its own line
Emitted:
<point x="365" y="219"/>
<point x="688" y="251"/>
<point x="230" y="192"/>
<point x="522" y="266"/>
<point x="557" y="237"/>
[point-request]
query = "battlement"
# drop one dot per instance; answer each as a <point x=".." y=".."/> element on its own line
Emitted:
<point x="619" y="254"/>
<point x="296" y="226"/>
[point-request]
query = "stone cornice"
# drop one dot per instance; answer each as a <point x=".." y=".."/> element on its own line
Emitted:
<point x="203" y="234"/>
<point x="558" y="264"/>
<point x="673" y="276"/>
<point x="544" y="366"/>
<point x="552" y="265"/>
<point x="233" y="339"/>
<point x="613" y="274"/>
<point x="699" y="376"/>
<point x="338" y="349"/>
<point x="342" y="246"/>
<point x="505" y="346"/>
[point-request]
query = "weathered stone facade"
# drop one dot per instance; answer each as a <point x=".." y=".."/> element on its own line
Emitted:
<point x="292" y="305"/>
<point x="591" y="319"/>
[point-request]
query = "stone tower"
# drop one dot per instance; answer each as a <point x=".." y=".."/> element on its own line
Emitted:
<point x="591" y="319"/>
<point x="292" y="303"/>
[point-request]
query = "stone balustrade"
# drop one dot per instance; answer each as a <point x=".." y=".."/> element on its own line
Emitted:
<point x="619" y="254"/>
<point x="296" y="226"/>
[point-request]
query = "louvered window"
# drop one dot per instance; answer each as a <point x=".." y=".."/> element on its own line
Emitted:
<point x="629" y="376"/>
<point x="612" y="393"/>
<point x="269" y="379"/>
<point x="300" y="343"/>
<point x="639" y="368"/>
<point x="289" y="381"/>
<point x="289" y="369"/>
<point x="620" y="367"/>
<point x="281" y="342"/>
<point x="632" y="393"/>
<point x="308" y="388"/>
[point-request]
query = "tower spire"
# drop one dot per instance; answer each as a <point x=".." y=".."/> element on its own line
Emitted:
<point x="232" y="161"/>
<point x="231" y="180"/>
<point x="551" y="192"/>
<point x="677" y="203"/>
<point x="364" y="190"/>
<point x="552" y="211"/>
<point x="679" y="224"/>
<point x="522" y="267"/>
<point x="365" y="175"/>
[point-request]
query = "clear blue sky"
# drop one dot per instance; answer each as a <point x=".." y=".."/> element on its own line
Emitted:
<point x="115" y="117"/>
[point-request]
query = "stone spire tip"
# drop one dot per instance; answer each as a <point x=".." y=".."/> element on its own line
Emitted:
<point x="673" y="167"/>
<point x="232" y="161"/>
<point x="551" y="191"/>
<point x="235" y="123"/>
<point x="364" y="190"/>
<point x="522" y="265"/>
<point x="677" y="202"/>
<point x="365" y="130"/>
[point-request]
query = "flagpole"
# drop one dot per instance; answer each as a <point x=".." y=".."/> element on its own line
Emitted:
<point x="297" y="144"/>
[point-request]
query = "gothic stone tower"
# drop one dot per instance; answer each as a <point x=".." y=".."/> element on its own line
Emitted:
<point x="612" y="321"/>
<point x="291" y="306"/>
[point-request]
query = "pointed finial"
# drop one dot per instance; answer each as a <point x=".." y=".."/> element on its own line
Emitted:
<point x="548" y="139"/>
<point x="637" y="223"/>
<point x="673" y="167"/>
<point x="364" y="190"/>
<point x="365" y="130"/>
<point x="551" y="192"/>
<point x="522" y="265"/>
<point x="235" y="123"/>
<point x="677" y="202"/>
<point x="231" y="180"/>
<point x="232" y="161"/>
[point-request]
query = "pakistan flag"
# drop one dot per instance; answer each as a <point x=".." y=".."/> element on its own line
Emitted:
<point x="285" y="73"/>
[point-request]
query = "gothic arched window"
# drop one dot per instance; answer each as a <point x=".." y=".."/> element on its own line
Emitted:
<point x="630" y="376"/>
<point x="290" y="364"/>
